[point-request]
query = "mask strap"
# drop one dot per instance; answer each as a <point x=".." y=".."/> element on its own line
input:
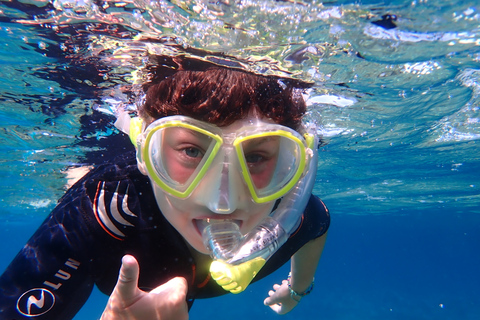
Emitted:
<point x="310" y="140"/>
<point x="130" y="126"/>
<point x="136" y="125"/>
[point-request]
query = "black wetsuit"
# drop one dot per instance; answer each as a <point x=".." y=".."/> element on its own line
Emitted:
<point x="109" y="213"/>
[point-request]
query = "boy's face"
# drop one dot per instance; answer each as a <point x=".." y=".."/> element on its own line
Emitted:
<point x="222" y="193"/>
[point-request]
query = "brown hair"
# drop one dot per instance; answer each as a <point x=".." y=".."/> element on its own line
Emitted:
<point x="220" y="95"/>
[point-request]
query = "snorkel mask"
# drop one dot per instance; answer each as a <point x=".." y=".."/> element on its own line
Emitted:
<point x="274" y="162"/>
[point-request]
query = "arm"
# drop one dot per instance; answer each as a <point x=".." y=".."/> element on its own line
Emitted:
<point x="303" y="266"/>
<point x="48" y="279"/>
<point x="51" y="277"/>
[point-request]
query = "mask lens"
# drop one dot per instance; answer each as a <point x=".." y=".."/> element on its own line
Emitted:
<point x="272" y="161"/>
<point x="178" y="155"/>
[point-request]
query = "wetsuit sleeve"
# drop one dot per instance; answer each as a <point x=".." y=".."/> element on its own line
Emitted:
<point x="49" y="278"/>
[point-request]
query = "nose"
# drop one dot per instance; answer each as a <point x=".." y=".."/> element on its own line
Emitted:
<point x="224" y="198"/>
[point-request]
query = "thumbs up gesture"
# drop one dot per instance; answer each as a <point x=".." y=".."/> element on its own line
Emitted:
<point x="128" y="302"/>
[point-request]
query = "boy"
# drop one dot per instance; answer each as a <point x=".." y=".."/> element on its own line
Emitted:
<point x="155" y="218"/>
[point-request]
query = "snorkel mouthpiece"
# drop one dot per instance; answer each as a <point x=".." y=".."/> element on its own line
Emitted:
<point x="224" y="240"/>
<point x="237" y="258"/>
<point x="220" y="237"/>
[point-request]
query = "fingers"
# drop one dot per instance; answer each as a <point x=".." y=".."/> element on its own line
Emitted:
<point x="272" y="299"/>
<point x="279" y="299"/>
<point x="177" y="286"/>
<point x="277" y="308"/>
<point x="274" y="302"/>
<point x="128" y="279"/>
<point x="279" y="305"/>
<point x="275" y="296"/>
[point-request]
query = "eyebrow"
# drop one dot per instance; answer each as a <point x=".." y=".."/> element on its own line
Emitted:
<point x="259" y="141"/>
<point x="186" y="132"/>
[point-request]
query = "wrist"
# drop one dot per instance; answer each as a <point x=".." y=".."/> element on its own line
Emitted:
<point x="298" y="295"/>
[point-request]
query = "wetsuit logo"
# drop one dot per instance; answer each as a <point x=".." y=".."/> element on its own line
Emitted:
<point x="35" y="302"/>
<point x="111" y="213"/>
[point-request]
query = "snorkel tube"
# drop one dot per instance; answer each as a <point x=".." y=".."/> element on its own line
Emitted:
<point x="237" y="257"/>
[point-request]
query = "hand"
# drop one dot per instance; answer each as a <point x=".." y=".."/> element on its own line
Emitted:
<point x="279" y="299"/>
<point x="128" y="302"/>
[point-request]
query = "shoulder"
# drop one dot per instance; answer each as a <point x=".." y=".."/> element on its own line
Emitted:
<point x="123" y="167"/>
<point x="121" y="170"/>
<point x="316" y="205"/>
<point x="316" y="216"/>
<point x="109" y="196"/>
<point x="314" y="222"/>
<point x="115" y="176"/>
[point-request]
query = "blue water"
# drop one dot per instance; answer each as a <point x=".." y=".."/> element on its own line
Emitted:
<point x="398" y="108"/>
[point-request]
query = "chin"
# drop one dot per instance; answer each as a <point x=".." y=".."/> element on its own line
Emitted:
<point x="200" y="247"/>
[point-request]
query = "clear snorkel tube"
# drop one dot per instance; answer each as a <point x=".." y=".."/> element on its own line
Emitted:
<point x="237" y="257"/>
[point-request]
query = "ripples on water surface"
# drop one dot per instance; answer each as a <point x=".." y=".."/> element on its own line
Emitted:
<point x="397" y="87"/>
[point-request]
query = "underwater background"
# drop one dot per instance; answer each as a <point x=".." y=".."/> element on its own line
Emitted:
<point x="396" y="95"/>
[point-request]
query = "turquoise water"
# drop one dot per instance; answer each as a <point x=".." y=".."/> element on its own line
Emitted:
<point x="398" y="103"/>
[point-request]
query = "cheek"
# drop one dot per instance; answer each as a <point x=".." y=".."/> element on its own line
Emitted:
<point x="181" y="220"/>
<point x="264" y="175"/>
<point x="175" y="170"/>
<point x="176" y="218"/>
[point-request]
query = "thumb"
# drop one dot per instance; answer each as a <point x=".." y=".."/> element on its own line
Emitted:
<point x="127" y="284"/>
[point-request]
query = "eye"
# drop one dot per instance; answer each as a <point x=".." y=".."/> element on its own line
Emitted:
<point x="254" y="158"/>
<point x="193" y="152"/>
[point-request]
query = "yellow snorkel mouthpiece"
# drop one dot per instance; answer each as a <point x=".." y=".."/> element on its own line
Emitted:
<point x="236" y="278"/>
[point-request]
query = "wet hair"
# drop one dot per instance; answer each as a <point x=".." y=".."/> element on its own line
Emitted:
<point x="220" y="95"/>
